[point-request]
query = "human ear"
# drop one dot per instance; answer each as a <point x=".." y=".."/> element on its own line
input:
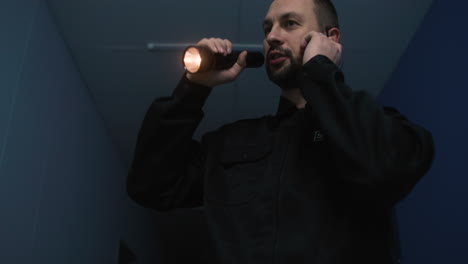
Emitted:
<point x="333" y="33"/>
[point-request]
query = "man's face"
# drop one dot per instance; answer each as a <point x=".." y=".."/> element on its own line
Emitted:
<point x="285" y="26"/>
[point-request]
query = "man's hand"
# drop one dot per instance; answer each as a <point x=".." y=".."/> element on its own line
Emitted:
<point x="214" y="78"/>
<point x="315" y="43"/>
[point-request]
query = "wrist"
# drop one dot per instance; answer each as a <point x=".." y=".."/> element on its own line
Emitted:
<point x="193" y="78"/>
<point x="321" y="68"/>
<point x="191" y="93"/>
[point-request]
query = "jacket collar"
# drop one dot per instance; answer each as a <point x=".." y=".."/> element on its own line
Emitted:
<point x="285" y="108"/>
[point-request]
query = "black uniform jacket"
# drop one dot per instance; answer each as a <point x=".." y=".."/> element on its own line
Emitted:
<point x="313" y="185"/>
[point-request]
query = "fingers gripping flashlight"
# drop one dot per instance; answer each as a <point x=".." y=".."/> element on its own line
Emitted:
<point x="201" y="59"/>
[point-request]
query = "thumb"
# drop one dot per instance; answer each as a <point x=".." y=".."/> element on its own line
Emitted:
<point x="242" y="59"/>
<point x="240" y="64"/>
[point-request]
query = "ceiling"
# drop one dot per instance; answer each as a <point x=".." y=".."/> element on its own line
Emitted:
<point x="108" y="40"/>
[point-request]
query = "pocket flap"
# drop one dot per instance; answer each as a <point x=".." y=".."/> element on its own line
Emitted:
<point x="244" y="154"/>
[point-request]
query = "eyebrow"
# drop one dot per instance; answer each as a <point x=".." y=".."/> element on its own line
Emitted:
<point x="267" y="21"/>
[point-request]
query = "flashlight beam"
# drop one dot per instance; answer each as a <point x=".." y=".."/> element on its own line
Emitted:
<point x="152" y="46"/>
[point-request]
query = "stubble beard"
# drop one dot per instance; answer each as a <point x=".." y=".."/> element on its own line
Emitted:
<point x="285" y="75"/>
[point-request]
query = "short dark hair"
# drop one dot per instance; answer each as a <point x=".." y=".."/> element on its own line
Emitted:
<point x="326" y="14"/>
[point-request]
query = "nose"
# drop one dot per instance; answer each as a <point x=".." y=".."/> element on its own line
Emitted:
<point x="273" y="37"/>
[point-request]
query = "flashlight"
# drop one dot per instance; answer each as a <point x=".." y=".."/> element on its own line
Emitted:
<point x="202" y="59"/>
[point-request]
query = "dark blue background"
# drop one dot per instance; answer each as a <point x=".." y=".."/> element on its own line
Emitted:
<point x="430" y="87"/>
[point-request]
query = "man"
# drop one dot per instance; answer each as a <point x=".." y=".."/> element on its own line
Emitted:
<point x="315" y="183"/>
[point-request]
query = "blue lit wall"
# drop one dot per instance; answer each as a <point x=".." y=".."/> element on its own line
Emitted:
<point x="431" y="88"/>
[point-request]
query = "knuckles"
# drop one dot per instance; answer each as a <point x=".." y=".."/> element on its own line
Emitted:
<point x="214" y="43"/>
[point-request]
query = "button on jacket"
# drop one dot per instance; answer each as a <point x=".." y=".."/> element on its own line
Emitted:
<point x="311" y="185"/>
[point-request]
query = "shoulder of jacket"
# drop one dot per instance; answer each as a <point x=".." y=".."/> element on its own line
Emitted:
<point x="394" y="113"/>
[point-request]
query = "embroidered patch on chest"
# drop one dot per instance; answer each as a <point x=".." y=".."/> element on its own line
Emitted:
<point x="318" y="136"/>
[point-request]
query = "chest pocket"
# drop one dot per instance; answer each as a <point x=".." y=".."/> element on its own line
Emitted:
<point x="238" y="176"/>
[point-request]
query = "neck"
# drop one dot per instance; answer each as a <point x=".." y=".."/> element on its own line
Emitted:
<point x="295" y="96"/>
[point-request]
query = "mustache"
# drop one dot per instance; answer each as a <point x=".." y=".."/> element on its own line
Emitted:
<point x="286" y="52"/>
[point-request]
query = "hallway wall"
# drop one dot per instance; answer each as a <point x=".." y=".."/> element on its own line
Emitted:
<point x="62" y="184"/>
<point x="430" y="87"/>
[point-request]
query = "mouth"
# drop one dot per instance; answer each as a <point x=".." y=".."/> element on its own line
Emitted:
<point x="276" y="57"/>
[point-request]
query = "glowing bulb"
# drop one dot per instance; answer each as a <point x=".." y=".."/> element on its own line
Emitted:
<point x="192" y="60"/>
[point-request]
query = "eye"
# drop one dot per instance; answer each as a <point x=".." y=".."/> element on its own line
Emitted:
<point x="290" y="23"/>
<point x="266" y="30"/>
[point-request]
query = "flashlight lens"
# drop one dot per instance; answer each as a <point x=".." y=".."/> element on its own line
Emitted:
<point x="192" y="60"/>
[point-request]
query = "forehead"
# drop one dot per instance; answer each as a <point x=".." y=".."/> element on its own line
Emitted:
<point x="303" y="8"/>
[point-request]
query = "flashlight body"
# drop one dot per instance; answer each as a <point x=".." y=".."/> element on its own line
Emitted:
<point x="254" y="59"/>
<point x="216" y="61"/>
<point x="222" y="62"/>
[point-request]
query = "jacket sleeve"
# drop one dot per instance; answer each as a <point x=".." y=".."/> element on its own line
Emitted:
<point x="168" y="165"/>
<point x="379" y="154"/>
